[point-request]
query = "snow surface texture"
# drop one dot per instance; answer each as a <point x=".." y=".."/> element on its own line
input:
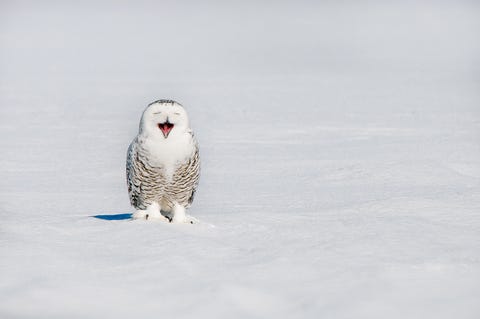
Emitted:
<point x="340" y="146"/>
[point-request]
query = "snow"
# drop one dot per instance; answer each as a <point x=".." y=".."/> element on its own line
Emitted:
<point x="340" y="159"/>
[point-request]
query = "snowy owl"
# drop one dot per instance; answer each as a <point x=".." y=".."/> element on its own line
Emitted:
<point x="163" y="163"/>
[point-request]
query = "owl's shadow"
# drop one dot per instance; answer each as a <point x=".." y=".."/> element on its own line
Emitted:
<point x="113" y="217"/>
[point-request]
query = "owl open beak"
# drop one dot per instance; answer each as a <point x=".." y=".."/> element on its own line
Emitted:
<point x="165" y="128"/>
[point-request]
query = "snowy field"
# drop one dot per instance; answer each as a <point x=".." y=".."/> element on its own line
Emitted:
<point x="340" y="147"/>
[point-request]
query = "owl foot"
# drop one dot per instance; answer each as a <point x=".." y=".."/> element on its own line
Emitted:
<point x="191" y="220"/>
<point x="178" y="215"/>
<point x="188" y="219"/>
<point x="152" y="212"/>
<point x="140" y="214"/>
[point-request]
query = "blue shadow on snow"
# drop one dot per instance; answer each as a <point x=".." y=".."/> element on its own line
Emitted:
<point x="114" y="217"/>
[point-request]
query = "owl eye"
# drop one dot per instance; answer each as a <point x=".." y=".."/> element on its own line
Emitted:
<point x="176" y="113"/>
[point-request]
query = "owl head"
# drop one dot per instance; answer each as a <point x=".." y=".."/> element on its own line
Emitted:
<point x="164" y="119"/>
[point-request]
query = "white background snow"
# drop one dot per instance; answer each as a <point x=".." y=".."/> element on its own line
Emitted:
<point x="341" y="159"/>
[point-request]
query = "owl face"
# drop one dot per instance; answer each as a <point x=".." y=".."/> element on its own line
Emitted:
<point x="164" y="119"/>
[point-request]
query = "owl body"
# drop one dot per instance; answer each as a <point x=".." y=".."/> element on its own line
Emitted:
<point x="163" y="163"/>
